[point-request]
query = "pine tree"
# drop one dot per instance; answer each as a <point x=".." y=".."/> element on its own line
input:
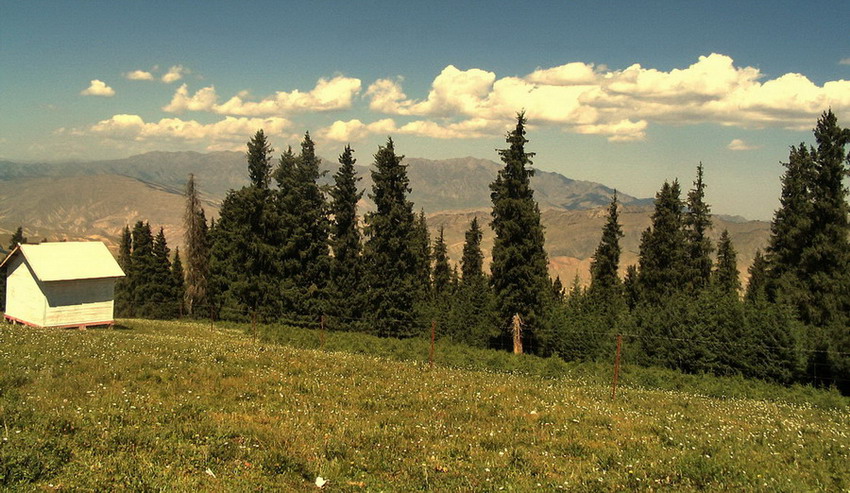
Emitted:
<point x="604" y="279"/>
<point x="178" y="281"/>
<point x="163" y="302"/>
<point x="520" y="268"/>
<point x="472" y="261"/>
<point x="346" y="265"/>
<point x="442" y="271"/>
<point x="245" y="268"/>
<point x="421" y="244"/>
<point x="123" y="294"/>
<point x="825" y="260"/>
<point x="197" y="249"/>
<point x="697" y="223"/>
<point x="311" y="230"/>
<point x="631" y="289"/>
<point x="141" y="274"/>
<point x="259" y="160"/>
<point x="790" y="229"/>
<point x="725" y="274"/>
<point x="473" y="319"/>
<point x="18" y="238"/>
<point x="662" y="252"/>
<point x="391" y="259"/>
<point x="756" y="286"/>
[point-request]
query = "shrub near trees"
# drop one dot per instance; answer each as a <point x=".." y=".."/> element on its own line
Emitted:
<point x="287" y="249"/>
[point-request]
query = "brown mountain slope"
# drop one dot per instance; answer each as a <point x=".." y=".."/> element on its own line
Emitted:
<point x="572" y="236"/>
<point x="88" y="207"/>
<point x="98" y="207"/>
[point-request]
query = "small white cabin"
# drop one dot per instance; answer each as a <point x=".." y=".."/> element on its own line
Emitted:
<point x="65" y="284"/>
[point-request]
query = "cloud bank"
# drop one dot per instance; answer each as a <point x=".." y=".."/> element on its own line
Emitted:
<point x="620" y="104"/>
<point x="328" y="95"/>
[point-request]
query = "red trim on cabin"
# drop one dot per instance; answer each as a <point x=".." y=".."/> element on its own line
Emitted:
<point x="69" y="326"/>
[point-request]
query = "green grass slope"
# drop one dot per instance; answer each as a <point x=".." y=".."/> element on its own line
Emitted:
<point x="182" y="406"/>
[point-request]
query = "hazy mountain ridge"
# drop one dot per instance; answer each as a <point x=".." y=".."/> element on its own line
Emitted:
<point x="437" y="185"/>
<point x="94" y="200"/>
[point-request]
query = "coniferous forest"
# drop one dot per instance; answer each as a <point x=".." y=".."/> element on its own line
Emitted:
<point x="287" y="249"/>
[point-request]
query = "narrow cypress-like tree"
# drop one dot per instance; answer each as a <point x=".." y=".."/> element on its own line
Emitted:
<point x="197" y="249"/>
<point x="631" y="288"/>
<point x="698" y="250"/>
<point x="346" y="265"/>
<point x="725" y="274"/>
<point x="662" y="251"/>
<point x="163" y="302"/>
<point x="604" y="279"/>
<point x="442" y="271"/>
<point x="520" y="275"/>
<point x="391" y="260"/>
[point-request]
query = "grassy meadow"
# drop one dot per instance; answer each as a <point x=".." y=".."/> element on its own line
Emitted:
<point x="157" y="405"/>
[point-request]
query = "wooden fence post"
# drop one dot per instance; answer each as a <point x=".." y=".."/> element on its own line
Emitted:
<point x="616" y="367"/>
<point x="517" y="334"/>
<point x="433" y="337"/>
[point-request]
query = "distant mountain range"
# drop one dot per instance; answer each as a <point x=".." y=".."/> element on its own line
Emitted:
<point x="95" y="199"/>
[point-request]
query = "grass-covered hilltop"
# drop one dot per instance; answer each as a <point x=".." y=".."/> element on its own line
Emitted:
<point x="156" y="405"/>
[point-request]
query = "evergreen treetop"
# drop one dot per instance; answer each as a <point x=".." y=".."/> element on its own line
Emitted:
<point x="697" y="223"/>
<point x="606" y="260"/>
<point x="259" y="160"/>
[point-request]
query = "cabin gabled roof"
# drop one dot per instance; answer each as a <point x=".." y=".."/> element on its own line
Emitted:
<point x="67" y="261"/>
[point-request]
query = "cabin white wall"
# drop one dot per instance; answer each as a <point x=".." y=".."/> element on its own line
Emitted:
<point x="79" y="302"/>
<point x="24" y="299"/>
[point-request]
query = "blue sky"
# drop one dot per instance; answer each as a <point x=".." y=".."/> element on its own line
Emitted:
<point x="628" y="94"/>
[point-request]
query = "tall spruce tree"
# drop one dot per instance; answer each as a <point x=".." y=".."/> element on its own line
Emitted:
<point x="604" y="279"/>
<point x="422" y="254"/>
<point x="141" y="275"/>
<point x="245" y="267"/>
<point x="698" y="250"/>
<point x="442" y="271"/>
<point x="662" y="251"/>
<point x="825" y="261"/>
<point x="346" y="265"/>
<point x="123" y="293"/>
<point x="197" y="249"/>
<point x="472" y="261"/>
<point x="178" y="282"/>
<point x="310" y="230"/>
<point x="392" y="262"/>
<point x="473" y="320"/>
<point x="725" y="274"/>
<point x="790" y="229"/>
<point x="259" y="160"/>
<point x="163" y="303"/>
<point x="520" y="268"/>
<point x="756" y="286"/>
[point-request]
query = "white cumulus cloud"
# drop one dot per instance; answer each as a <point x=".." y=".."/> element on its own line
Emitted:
<point x="174" y="74"/>
<point x="844" y="61"/>
<point x="354" y="130"/>
<point x="230" y="129"/>
<point x="619" y="104"/>
<point x="138" y="75"/>
<point x="98" y="88"/>
<point x="328" y="95"/>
